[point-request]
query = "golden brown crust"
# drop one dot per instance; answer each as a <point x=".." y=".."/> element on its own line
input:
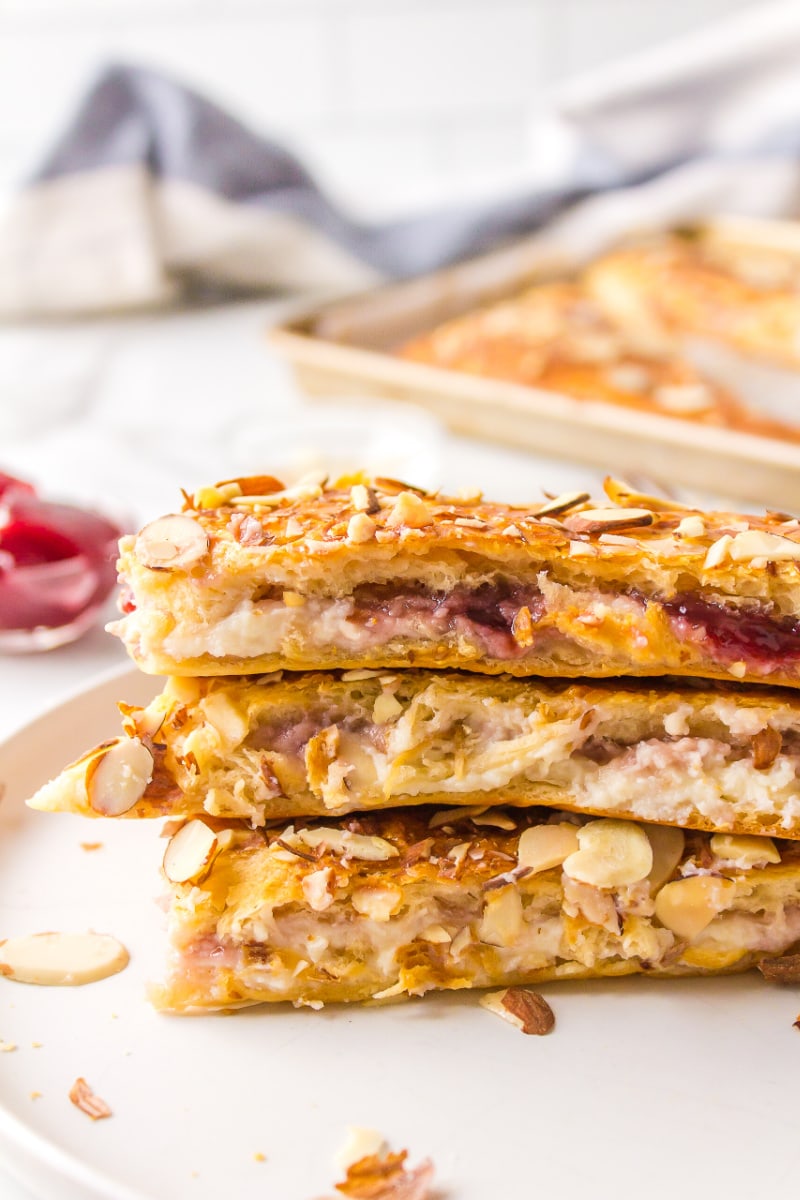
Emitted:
<point x="743" y="295"/>
<point x="711" y="757"/>
<point x="558" y="337"/>
<point x="604" y="573"/>
<point x="399" y="903"/>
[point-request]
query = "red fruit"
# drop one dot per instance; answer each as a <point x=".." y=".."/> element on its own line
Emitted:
<point x="9" y="484"/>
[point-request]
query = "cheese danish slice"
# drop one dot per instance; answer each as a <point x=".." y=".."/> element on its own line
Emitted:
<point x="399" y="904"/>
<point x="714" y="757"/>
<point x="362" y="575"/>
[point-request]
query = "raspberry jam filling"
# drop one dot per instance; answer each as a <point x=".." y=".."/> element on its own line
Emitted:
<point x="752" y="634"/>
<point x="486" y="613"/>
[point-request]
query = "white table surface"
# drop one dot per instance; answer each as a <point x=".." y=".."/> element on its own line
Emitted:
<point x="122" y="412"/>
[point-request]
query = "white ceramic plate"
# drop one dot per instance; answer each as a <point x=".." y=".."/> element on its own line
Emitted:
<point x="644" y="1089"/>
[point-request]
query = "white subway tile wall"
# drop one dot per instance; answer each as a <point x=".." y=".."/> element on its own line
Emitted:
<point x="394" y="103"/>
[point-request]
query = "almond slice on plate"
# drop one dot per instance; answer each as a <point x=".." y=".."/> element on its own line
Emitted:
<point x="62" y="959"/>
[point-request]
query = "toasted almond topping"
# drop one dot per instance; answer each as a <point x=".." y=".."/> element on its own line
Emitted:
<point x="600" y="520"/>
<point x="687" y="906"/>
<point x="667" y="843"/>
<point x="756" y="543"/>
<point x="377" y="903"/>
<point x="363" y="499"/>
<point x="386" y="708"/>
<point x="502" y="921"/>
<point x="171" y="543"/>
<point x="512" y="531"/>
<point x="717" y="552"/>
<point x="293" y="600"/>
<point x="744" y="851"/>
<point x="117" y="778"/>
<point x="409" y="510"/>
<point x="459" y="853"/>
<point x="360" y="528"/>
<point x="691" y="527"/>
<point x="522" y="627"/>
<point x="529" y="1011"/>
<point x="342" y="841"/>
<point x="62" y="959"/>
<point x="738" y="669"/>
<point x="627" y="496"/>
<point x="545" y="846"/>
<point x="461" y="941"/>
<point x="358" y="674"/>
<point x="495" y="820"/>
<point x="293" y="528"/>
<point x="562" y="504"/>
<point x="766" y="745"/>
<point x="612" y="854"/>
<point x="317" y="889"/>
<point x="785" y="969"/>
<point x="445" y="815"/>
<point x="84" y="1098"/>
<point x="189" y="852"/>
<point x="360" y="1144"/>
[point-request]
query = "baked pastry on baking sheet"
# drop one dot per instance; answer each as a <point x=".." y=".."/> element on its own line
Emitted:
<point x="252" y="577"/>
<point x="713" y="757"/>
<point x="731" y="283"/>
<point x="560" y="338"/>
<point x="400" y="903"/>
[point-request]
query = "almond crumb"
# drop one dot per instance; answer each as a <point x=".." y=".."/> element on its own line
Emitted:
<point x="84" y="1098"/>
<point x="360" y="528"/>
<point x="91" y="846"/>
<point x="7" y="1047"/>
<point x="36" y="1045"/>
<point x="259" y="1157"/>
<point x="35" y="1095"/>
<point x="409" y="510"/>
<point x="384" y="1176"/>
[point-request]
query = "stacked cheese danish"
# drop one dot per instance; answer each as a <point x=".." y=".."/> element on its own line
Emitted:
<point x="415" y="741"/>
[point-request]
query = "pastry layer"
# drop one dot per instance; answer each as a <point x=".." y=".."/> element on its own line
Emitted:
<point x="560" y="337"/>
<point x="393" y="904"/>
<point x="719" y="286"/>
<point x="383" y="576"/>
<point x="715" y="757"/>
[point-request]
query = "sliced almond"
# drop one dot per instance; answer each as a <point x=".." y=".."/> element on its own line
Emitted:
<point x="189" y="852"/>
<point x="317" y="889"/>
<point x="437" y="935"/>
<point x="601" y="520"/>
<point x="562" y="504"/>
<point x="360" y="528"/>
<point x="349" y="845"/>
<point x="691" y="527"/>
<point x="612" y="854"/>
<point x="495" y="819"/>
<point x="545" y="846"/>
<point x="744" y="851"/>
<point x="363" y="499"/>
<point x="627" y="496"/>
<point x="683" y="397"/>
<point x="171" y="543"/>
<point x="688" y="906"/>
<point x="410" y="510"/>
<point x="502" y="920"/>
<point x="718" y="552"/>
<point x="85" y="1099"/>
<point x="785" y="969"/>
<point x="667" y="843"/>
<point x="767" y="745"/>
<point x="529" y="1011"/>
<point x="62" y="959"/>
<point x="756" y="543"/>
<point x="117" y="780"/>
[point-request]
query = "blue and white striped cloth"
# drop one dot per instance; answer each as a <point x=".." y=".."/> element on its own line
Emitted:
<point x="154" y="191"/>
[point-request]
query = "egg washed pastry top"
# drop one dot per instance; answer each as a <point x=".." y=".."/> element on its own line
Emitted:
<point x="396" y="904"/>
<point x="713" y="757"/>
<point x="251" y="577"/>
<point x="561" y="338"/>
<point x="744" y="295"/>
